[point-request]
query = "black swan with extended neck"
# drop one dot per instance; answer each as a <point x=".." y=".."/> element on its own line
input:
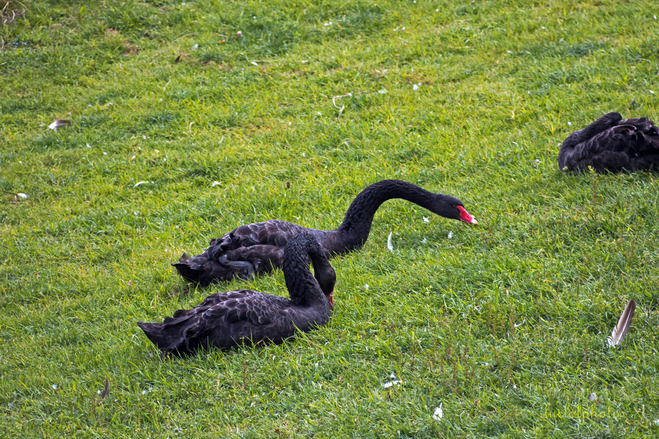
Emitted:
<point x="612" y="144"/>
<point x="226" y="319"/>
<point x="258" y="248"/>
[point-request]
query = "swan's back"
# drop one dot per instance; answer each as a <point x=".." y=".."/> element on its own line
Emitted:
<point x="612" y="145"/>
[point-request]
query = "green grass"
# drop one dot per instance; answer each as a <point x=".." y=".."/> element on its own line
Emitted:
<point x="505" y="324"/>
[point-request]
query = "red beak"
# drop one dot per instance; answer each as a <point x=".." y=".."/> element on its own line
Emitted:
<point x="330" y="300"/>
<point x="465" y="217"/>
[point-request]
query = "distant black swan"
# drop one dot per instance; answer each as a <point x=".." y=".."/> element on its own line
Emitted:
<point x="258" y="248"/>
<point x="612" y="144"/>
<point x="226" y="319"/>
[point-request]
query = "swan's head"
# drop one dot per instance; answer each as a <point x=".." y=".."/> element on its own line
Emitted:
<point x="326" y="278"/>
<point x="451" y="207"/>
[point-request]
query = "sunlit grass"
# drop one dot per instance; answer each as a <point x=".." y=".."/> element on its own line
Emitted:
<point x="504" y="324"/>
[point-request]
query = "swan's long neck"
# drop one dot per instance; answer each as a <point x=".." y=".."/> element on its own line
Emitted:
<point x="603" y="123"/>
<point x="353" y="231"/>
<point x="303" y="287"/>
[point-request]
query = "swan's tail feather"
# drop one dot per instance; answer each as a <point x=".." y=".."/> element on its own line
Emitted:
<point x="167" y="337"/>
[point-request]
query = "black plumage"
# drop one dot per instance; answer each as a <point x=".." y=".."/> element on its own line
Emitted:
<point x="229" y="318"/>
<point x="258" y="248"/>
<point x="612" y="144"/>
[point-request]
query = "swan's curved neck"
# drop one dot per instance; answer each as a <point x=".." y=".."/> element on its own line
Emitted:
<point x="303" y="288"/>
<point x="603" y="123"/>
<point x="353" y="231"/>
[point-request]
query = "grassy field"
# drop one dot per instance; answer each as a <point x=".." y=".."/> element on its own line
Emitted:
<point x="232" y="112"/>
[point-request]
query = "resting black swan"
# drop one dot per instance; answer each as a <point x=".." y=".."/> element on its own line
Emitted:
<point x="226" y="319"/>
<point x="612" y="144"/>
<point x="258" y="248"/>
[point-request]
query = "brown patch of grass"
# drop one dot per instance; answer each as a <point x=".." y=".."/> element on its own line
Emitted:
<point x="10" y="10"/>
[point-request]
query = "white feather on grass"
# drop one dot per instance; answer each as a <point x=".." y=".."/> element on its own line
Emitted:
<point x="59" y="124"/>
<point x="625" y="321"/>
<point x="390" y="246"/>
<point x="438" y="414"/>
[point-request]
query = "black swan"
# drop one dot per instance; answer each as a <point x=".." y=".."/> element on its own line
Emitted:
<point x="226" y="319"/>
<point x="258" y="248"/>
<point x="612" y="144"/>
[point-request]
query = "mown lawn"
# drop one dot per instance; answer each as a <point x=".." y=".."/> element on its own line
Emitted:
<point x="231" y="112"/>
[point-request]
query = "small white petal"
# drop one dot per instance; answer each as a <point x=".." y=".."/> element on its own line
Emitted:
<point x="656" y="421"/>
<point x="21" y="195"/>
<point x="139" y="183"/>
<point x="254" y="64"/>
<point x="390" y="246"/>
<point x="105" y="153"/>
<point x="415" y="87"/>
<point x="215" y="183"/>
<point x="438" y="414"/>
<point x="537" y="160"/>
<point x="196" y="46"/>
<point x="592" y="397"/>
<point x="426" y="220"/>
<point x="382" y="92"/>
<point x="54" y="386"/>
<point x="304" y="154"/>
<point x="424" y="240"/>
<point x="569" y="123"/>
<point x="88" y="145"/>
<point x="143" y="392"/>
<point x="517" y="325"/>
<point x="450" y="235"/>
<point x="392" y="376"/>
<point x="365" y="287"/>
<point x="652" y="91"/>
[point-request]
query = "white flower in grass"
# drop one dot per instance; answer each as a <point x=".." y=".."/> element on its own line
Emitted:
<point x="426" y="220"/>
<point x="424" y="240"/>
<point x="382" y="92"/>
<point x="450" y="235"/>
<point x="22" y="196"/>
<point x="365" y="287"/>
<point x="438" y="414"/>
<point x="215" y="183"/>
<point x="54" y="386"/>
<point x="656" y="421"/>
<point x="415" y="87"/>
<point x="390" y="245"/>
